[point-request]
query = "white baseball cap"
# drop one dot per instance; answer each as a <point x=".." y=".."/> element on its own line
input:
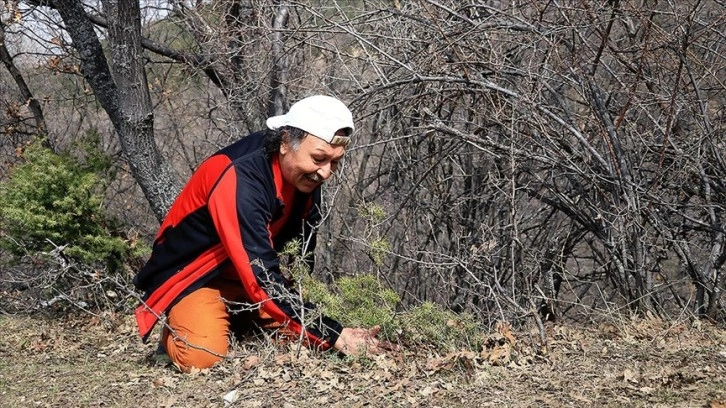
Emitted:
<point x="320" y="115"/>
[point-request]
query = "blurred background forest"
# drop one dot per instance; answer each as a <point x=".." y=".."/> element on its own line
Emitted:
<point x="517" y="160"/>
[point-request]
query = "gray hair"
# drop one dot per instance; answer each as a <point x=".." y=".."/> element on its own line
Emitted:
<point x="289" y="134"/>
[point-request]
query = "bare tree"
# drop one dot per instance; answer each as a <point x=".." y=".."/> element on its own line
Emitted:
<point x="123" y="93"/>
<point x="532" y="151"/>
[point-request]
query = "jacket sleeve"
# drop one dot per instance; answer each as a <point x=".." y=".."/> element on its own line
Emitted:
<point x="241" y="209"/>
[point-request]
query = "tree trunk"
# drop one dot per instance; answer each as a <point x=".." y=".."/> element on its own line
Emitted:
<point x="278" y="81"/>
<point x="33" y="104"/>
<point x="126" y="101"/>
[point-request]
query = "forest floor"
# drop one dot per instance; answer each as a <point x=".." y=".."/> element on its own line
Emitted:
<point x="92" y="362"/>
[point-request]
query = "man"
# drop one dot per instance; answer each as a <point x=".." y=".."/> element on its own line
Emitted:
<point x="221" y="238"/>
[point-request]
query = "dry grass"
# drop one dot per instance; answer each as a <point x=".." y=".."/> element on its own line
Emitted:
<point x="84" y="362"/>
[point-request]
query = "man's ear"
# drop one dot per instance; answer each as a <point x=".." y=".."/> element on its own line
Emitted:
<point x="284" y="142"/>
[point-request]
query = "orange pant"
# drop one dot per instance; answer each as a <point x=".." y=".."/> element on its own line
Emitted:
<point x="199" y="326"/>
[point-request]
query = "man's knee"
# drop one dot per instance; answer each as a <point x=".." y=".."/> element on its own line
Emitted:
<point x="193" y="353"/>
<point x="197" y="332"/>
<point x="193" y="358"/>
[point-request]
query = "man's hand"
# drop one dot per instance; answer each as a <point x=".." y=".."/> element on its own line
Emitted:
<point x="358" y="340"/>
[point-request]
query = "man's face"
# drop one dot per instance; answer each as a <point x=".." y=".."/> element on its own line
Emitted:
<point x="312" y="163"/>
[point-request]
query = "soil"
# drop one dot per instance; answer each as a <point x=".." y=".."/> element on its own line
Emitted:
<point x="100" y="361"/>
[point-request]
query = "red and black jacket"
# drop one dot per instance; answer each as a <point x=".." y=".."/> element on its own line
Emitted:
<point x="236" y="210"/>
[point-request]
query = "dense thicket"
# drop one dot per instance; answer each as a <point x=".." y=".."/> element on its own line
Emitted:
<point x="513" y="159"/>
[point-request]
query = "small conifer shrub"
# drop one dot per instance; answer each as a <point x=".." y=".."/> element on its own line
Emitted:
<point x="54" y="200"/>
<point x="363" y="301"/>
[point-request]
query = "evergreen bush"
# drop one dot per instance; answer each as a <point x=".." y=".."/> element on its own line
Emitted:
<point x="55" y="200"/>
